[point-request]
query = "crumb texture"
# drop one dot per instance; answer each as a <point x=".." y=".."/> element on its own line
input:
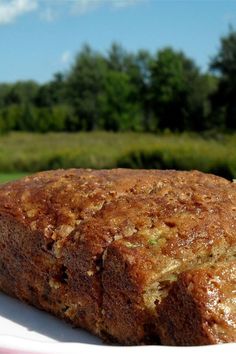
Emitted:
<point x="202" y="305"/>
<point x="133" y="256"/>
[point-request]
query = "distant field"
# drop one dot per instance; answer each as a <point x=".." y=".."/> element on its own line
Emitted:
<point x="6" y="177"/>
<point x="24" y="153"/>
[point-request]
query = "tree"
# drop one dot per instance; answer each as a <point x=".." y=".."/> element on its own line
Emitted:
<point x="4" y="89"/>
<point x="51" y="93"/>
<point x="85" y="83"/>
<point x="137" y="66"/>
<point x="22" y="92"/>
<point x="126" y="91"/>
<point x="27" y="120"/>
<point x="117" y="110"/>
<point x="224" y="64"/>
<point x="176" y="98"/>
<point x="117" y="58"/>
<point x="139" y="70"/>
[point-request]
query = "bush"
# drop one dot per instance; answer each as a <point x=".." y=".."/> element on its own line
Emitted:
<point x="33" y="119"/>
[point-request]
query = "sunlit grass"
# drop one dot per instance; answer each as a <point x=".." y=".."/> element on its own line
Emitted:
<point x="6" y="177"/>
<point x="24" y="153"/>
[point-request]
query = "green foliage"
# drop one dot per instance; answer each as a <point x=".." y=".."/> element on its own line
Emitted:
<point x="116" y="109"/>
<point x="128" y="91"/>
<point x="33" y="119"/>
<point x="4" y="89"/>
<point x="178" y="94"/>
<point x="52" y="93"/>
<point x="138" y="68"/>
<point x="200" y="116"/>
<point x="118" y="58"/>
<point x="85" y="83"/>
<point x="18" y="93"/>
<point x="224" y="63"/>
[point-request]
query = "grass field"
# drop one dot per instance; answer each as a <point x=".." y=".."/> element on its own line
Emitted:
<point x="6" y="177"/>
<point x="24" y="153"/>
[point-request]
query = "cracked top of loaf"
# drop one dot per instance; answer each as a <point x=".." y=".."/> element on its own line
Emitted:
<point x="160" y="221"/>
<point x="56" y="201"/>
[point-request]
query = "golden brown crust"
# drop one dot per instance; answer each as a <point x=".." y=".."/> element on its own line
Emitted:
<point x="66" y="197"/>
<point x="200" y="307"/>
<point x="106" y="245"/>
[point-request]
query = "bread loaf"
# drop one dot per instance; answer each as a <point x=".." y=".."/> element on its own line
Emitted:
<point x="102" y="249"/>
<point x="200" y="307"/>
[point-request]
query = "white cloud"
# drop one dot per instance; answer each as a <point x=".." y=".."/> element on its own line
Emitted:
<point x="84" y="6"/>
<point x="11" y="9"/>
<point x="49" y="10"/>
<point x="124" y="3"/>
<point x="66" y="57"/>
<point x="48" y="15"/>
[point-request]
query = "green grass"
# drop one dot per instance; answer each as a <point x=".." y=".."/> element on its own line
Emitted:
<point x="33" y="152"/>
<point x="6" y="177"/>
<point x="24" y="153"/>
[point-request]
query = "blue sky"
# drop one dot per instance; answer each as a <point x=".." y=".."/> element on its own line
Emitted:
<point x="41" y="37"/>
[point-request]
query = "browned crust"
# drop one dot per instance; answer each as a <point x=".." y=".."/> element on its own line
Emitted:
<point x="101" y="248"/>
<point x="200" y="307"/>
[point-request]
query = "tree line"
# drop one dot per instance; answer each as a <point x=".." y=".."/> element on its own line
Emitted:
<point x="124" y="91"/>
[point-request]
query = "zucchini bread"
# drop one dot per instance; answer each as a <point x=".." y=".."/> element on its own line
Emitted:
<point x="133" y="256"/>
<point x="201" y="304"/>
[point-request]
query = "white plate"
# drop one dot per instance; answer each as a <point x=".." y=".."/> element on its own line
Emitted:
<point x="24" y="329"/>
